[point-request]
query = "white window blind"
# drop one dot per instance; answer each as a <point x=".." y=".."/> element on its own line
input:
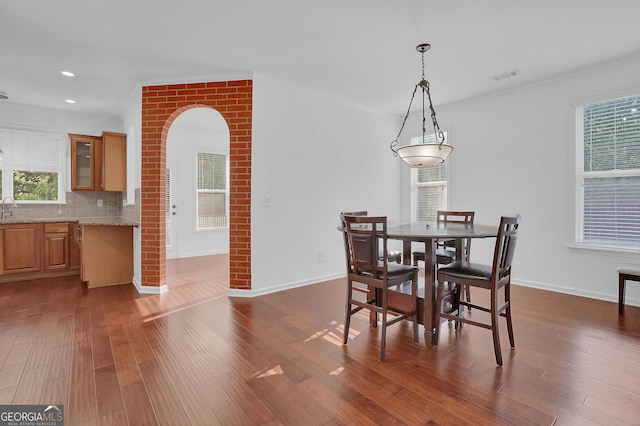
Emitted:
<point x="31" y="150"/>
<point x="212" y="190"/>
<point x="430" y="187"/>
<point x="32" y="164"/>
<point x="609" y="175"/>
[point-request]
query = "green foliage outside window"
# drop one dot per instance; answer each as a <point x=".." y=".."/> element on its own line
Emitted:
<point x="38" y="186"/>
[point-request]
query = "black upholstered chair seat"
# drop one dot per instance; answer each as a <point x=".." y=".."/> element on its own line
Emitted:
<point x="395" y="270"/>
<point x="393" y="256"/>
<point x="466" y="270"/>
<point x="445" y="254"/>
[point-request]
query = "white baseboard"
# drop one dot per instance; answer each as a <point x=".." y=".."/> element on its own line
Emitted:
<point x="147" y="289"/>
<point x="631" y="301"/>
<point x="198" y="254"/>
<point x="281" y="287"/>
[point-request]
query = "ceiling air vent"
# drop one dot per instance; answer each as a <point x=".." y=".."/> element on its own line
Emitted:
<point x="505" y="75"/>
<point x="3" y="95"/>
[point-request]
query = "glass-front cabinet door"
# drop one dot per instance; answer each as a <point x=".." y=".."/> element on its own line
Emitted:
<point x="83" y="153"/>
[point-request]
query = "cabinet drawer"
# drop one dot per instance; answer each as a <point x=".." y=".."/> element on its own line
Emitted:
<point x="56" y="227"/>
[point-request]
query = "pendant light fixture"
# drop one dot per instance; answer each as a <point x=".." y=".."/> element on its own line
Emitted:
<point x="424" y="154"/>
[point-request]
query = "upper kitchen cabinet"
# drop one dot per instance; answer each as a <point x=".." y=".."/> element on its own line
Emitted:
<point x="83" y="152"/>
<point x="99" y="163"/>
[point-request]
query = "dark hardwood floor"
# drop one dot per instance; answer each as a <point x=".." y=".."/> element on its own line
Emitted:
<point x="195" y="356"/>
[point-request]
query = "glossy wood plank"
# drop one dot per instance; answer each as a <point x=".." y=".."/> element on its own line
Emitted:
<point x="161" y="394"/>
<point x="255" y="410"/>
<point x="139" y="410"/>
<point x="30" y="387"/>
<point x="195" y="356"/>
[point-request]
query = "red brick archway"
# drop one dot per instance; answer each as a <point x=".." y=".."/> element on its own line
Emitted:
<point x="160" y="106"/>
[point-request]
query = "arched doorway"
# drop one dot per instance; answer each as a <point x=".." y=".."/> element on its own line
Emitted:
<point x="197" y="184"/>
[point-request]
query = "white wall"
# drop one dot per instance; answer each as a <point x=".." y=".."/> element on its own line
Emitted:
<point x="515" y="153"/>
<point x="195" y="130"/>
<point x="57" y="120"/>
<point x="313" y="157"/>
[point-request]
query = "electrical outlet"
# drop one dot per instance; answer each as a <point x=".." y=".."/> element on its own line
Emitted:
<point x="320" y="256"/>
<point x="100" y="203"/>
<point x="266" y="200"/>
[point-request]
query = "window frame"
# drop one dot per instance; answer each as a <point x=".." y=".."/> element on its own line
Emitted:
<point x="581" y="174"/>
<point x="8" y="167"/>
<point x="197" y="191"/>
<point x="415" y="185"/>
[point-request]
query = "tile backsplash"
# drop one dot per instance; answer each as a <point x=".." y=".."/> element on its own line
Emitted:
<point x="80" y="204"/>
<point x="132" y="212"/>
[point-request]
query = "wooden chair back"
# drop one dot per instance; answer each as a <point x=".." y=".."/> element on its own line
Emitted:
<point x="448" y="216"/>
<point x="505" y="248"/>
<point x="344" y="234"/>
<point x="365" y="235"/>
<point x="463" y="217"/>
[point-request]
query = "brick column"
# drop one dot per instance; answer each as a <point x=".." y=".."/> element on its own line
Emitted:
<point x="160" y="106"/>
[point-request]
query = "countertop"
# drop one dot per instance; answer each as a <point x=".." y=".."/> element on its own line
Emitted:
<point x="107" y="221"/>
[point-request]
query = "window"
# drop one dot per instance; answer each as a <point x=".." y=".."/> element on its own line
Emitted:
<point x="429" y="187"/>
<point x="212" y="192"/>
<point x="608" y="171"/>
<point x="31" y="167"/>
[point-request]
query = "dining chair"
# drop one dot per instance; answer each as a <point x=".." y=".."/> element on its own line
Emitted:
<point x="395" y="256"/>
<point x="489" y="277"/>
<point x="445" y="249"/>
<point x="366" y="237"/>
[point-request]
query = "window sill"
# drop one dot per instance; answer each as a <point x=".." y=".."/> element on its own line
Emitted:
<point x="218" y="229"/>
<point x="611" y="250"/>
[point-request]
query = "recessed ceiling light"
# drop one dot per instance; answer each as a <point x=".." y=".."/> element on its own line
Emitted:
<point x="67" y="73"/>
<point x="505" y="75"/>
<point x="70" y="101"/>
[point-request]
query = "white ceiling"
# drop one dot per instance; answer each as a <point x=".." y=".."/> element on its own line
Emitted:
<point x="359" y="50"/>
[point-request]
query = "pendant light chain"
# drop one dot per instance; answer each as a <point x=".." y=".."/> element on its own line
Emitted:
<point x="436" y="127"/>
<point x="404" y="121"/>
<point x="424" y="154"/>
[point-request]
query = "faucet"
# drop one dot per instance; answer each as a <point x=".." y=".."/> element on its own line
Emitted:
<point x="3" y="215"/>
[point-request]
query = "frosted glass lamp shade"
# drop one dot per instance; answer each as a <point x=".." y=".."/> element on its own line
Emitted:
<point x="424" y="154"/>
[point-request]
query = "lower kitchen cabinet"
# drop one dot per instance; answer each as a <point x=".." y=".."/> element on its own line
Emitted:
<point x="56" y="246"/>
<point x="107" y="255"/>
<point x="20" y="247"/>
<point x="101" y="253"/>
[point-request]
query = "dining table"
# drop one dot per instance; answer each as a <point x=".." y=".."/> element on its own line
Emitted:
<point x="428" y="233"/>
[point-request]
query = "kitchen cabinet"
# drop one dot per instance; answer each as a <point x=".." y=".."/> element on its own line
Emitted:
<point x="83" y="161"/>
<point x="56" y="246"/>
<point x="99" y="163"/>
<point x="101" y="251"/>
<point x="106" y="255"/>
<point x="20" y="248"/>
